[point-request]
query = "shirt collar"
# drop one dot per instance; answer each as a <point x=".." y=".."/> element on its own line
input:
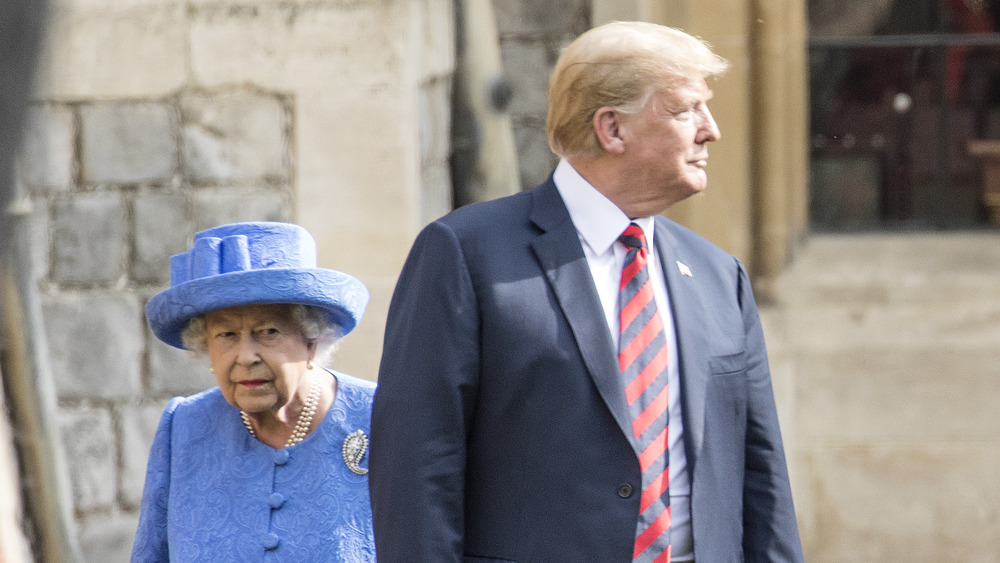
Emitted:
<point x="597" y="219"/>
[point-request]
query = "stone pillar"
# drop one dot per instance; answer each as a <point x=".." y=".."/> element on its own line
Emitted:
<point x="532" y="34"/>
<point x="781" y="147"/>
<point x="13" y="544"/>
<point x="484" y="164"/>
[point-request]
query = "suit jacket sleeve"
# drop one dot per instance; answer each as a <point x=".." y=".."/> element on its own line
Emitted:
<point x="150" y="543"/>
<point x="423" y="405"/>
<point x="770" y="532"/>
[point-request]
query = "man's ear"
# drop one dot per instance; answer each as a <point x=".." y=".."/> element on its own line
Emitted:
<point x="607" y="127"/>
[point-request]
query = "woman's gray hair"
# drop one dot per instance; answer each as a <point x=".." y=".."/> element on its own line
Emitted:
<point x="312" y="322"/>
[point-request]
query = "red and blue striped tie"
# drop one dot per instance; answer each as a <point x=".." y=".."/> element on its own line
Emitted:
<point x="642" y="357"/>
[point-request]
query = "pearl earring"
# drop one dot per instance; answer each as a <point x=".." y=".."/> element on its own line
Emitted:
<point x="309" y="364"/>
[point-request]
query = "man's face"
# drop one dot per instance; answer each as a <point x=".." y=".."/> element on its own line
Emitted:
<point x="666" y="145"/>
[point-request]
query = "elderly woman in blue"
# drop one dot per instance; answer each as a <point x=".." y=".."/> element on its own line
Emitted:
<point x="271" y="464"/>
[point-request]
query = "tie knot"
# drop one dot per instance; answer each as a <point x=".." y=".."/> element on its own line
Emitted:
<point x="633" y="237"/>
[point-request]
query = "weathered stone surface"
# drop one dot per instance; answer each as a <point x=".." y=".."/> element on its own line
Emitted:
<point x="175" y="372"/>
<point x="39" y="229"/>
<point x="932" y="326"/>
<point x="345" y="181"/>
<point x="438" y="36"/>
<point x="46" y="160"/>
<point x="435" y="149"/>
<point x="238" y="136"/>
<point x="138" y="426"/>
<point x="90" y="242"/>
<point x="127" y="142"/>
<point x="900" y="502"/>
<point x="899" y="395"/>
<point x="95" y="342"/>
<point x="435" y="121"/>
<point x="892" y="343"/>
<point x="534" y="158"/>
<point x="161" y="230"/>
<point x="105" y="538"/>
<point x="217" y="207"/>
<point x="526" y="65"/>
<point x="88" y="437"/>
<point x="436" y="192"/>
<point x="105" y="49"/>
<point x="542" y="17"/>
<point x="894" y="269"/>
<point x="284" y="46"/>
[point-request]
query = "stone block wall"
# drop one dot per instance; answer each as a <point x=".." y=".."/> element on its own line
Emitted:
<point x="155" y="119"/>
<point x="885" y="351"/>
<point x="117" y="187"/>
<point x="532" y="34"/>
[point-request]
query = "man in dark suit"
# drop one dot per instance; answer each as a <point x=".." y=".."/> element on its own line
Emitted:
<point x="568" y="376"/>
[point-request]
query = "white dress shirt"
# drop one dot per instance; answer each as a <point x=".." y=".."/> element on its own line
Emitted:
<point x="599" y="223"/>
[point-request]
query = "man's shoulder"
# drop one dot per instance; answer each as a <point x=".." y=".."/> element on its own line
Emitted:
<point x="697" y="252"/>
<point x="482" y="213"/>
<point x="496" y="220"/>
<point x="689" y="239"/>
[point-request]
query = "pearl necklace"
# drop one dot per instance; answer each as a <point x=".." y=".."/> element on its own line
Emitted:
<point x="302" y="424"/>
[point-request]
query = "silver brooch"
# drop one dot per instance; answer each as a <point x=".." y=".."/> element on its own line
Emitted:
<point x="354" y="449"/>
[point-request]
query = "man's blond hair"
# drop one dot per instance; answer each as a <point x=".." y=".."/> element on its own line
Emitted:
<point x="620" y="65"/>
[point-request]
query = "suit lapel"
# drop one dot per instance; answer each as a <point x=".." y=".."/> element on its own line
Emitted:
<point x="692" y="341"/>
<point x="561" y="257"/>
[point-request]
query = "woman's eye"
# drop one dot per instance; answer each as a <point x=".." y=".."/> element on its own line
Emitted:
<point x="269" y="332"/>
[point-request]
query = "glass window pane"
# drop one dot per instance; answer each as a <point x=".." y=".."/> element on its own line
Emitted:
<point x="905" y="128"/>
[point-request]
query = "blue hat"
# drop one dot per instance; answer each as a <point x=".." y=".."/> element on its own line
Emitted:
<point x="251" y="264"/>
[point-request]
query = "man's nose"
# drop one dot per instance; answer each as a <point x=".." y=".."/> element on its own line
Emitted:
<point x="709" y="128"/>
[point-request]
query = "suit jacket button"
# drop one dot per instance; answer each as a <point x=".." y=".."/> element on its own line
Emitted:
<point x="624" y="490"/>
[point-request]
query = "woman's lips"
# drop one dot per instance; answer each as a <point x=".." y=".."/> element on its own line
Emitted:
<point x="253" y="383"/>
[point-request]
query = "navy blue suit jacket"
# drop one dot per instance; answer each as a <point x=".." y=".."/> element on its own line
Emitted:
<point x="500" y="427"/>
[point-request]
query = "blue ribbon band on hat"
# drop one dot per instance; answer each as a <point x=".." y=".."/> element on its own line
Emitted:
<point x="247" y="264"/>
<point x="235" y="254"/>
<point x="211" y="256"/>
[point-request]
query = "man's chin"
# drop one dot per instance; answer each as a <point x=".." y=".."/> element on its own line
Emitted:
<point x="696" y="184"/>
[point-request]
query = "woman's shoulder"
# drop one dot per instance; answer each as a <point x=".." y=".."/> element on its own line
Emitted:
<point x="198" y="411"/>
<point x="355" y="392"/>
<point x="352" y="381"/>
<point x="208" y="398"/>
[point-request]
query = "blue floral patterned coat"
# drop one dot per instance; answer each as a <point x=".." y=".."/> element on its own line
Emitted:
<point x="214" y="493"/>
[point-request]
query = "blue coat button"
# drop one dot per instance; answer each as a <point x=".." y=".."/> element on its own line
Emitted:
<point x="271" y="541"/>
<point x="276" y="500"/>
<point x="280" y="457"/>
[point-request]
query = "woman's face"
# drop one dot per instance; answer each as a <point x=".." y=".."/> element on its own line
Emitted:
<point x="258" y="355"/>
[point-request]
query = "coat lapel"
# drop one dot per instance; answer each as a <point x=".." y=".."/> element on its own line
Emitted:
<point x="561" y="257"/>
<point x="692" y="341"/>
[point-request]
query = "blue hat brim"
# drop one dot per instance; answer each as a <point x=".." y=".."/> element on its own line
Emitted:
<point x="342" y="296"/>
